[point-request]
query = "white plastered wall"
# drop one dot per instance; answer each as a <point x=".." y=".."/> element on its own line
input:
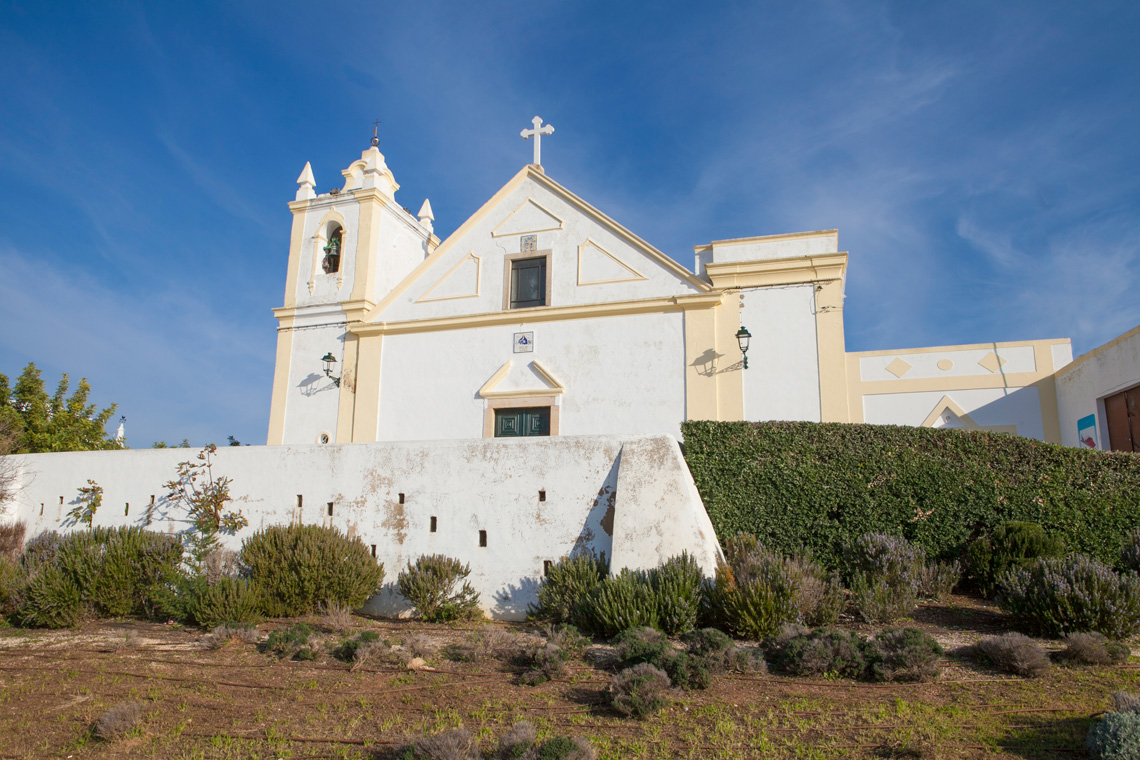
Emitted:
<point x="782" y="379"/>
<point x="1083" y="384"/>
<point x="622" y="375"/>
<point x="311" y="398"/>
<point x="987" y="407"/>
<point x="638" y="509"/>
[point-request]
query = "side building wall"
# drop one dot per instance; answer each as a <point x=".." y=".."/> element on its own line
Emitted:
<point x="1083" y="385"/>
<point x="536" y="500"/>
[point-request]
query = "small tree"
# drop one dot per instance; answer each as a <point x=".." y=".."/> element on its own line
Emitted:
<point x="54" y="423"/>
<point x="88" y="503"/>
<point x="205" y="498"/>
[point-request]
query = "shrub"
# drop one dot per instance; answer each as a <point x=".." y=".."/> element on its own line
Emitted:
<point x="41" y="549"/>
<point x="938" y="579"/>
<point x="300" y="566"/>
<point x="50" y="600"/>
<point x="1014" y="653"/>
<point x="622" y="602"/>
<point x="224" y="634"/>
<point x="568" y="584"/>
<point x="1116" y="736"/>
<point x="639" y="691"/>
<point x="546" y="661"/>
<point x="1058" y="596"/>
<point x="291" y="643"/>
<point x="336" y="616"/>
<point x="677" y="584"/>
<point x="117" y="721"/>
<point x="349" y="648"/>
<point x="567" y="638"/>
<point x="1124" y="701"/>
<point x="645" y="645"/>
<point x="12" y="539"/>
<point x="886" y="574"/>
<point x="709" y="643"/>
<point x="230" y="600"/>
<point x="904" y="654"/>
<point x="824" y="652"/>
<point x="437" y="588"/>
<point x="457" y="744"/>
<point x="1130" y="555"/>
<point x="487" y="643"/>
<point x="1012" y="544"/>
<point x="821" y="486"/>
<point x="12" y="582"/>
<point x="755" y="590"/>
<point x="1092" y="648"/>
<point x="516" y="742"/>
<point x="565" y="748"/>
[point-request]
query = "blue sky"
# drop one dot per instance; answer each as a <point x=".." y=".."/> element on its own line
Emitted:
<point x="979" y="159"/>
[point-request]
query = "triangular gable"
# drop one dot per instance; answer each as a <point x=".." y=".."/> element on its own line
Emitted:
<point x="461" y="281"/>
<point x="535" y="174"/>
<point x="527" y="218"/>
<point x="597" y="266"/>
<point x="957" y="417"/>
<point x="517" y="381"/>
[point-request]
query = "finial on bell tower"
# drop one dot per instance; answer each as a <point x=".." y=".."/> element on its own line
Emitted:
<point x="375" y="136"/>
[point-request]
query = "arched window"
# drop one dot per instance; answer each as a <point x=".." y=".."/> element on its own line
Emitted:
<point x="331" y="262"/>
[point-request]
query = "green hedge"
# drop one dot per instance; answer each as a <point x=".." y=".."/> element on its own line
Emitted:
<point x="819" y="486"/>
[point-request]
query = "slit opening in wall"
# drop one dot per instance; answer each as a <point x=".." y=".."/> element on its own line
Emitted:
<point x="299" y="500"/>
<point x="127" y="509"/>
<point x="401" y="498"/>
<point x="546" y="565"/>
<point x="482" y="538"/>
<point x="61" y="501"/>
<point x="41" y="508"/>
<point x="374" y="551"/>
<point x="330" y="508"/>
<point x="542" y="495"/>
<point x="433" y="524"/>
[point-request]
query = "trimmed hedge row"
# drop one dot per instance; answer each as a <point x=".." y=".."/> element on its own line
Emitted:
<point x="819" y="486"/>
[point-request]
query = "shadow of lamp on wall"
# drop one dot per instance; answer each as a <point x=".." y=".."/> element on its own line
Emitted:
<point x="743" y="337"/>
<point x="329" y="361"/>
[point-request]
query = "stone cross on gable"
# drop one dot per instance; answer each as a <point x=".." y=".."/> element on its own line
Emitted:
<point x="537" y="134"/>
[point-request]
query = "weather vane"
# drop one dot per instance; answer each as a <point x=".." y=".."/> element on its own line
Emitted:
<point x="375" y="137"/>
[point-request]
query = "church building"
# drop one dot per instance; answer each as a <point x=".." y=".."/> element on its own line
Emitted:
<point x="542" y="316"/>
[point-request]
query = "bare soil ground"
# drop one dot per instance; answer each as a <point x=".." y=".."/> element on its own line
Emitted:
<point x="233" y="701"/>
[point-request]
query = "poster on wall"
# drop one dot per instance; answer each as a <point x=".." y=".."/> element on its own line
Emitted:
<point x="1086" y="431"/>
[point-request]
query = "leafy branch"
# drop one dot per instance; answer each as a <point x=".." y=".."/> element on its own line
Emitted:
<point x="206" y="498"/>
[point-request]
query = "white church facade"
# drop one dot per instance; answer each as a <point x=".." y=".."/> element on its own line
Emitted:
<point x="541" y="315"/>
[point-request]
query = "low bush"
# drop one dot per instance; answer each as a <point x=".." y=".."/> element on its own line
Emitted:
<point x="12" y="539"/>
<point x="621" y="602"/>
<point x="1012" y="544"/>
<point x="348" y="649"/>
<point x="566" y="587"/>
<point x="754" y="592"/>
<point x="50" y="600"/>
<point x="904" y="654"/>
<point x="938" y="579"/>
<point x="1014" y="653"/>
<point x="235" y="601"/>
<point x="639" y="691"/>
<point x="545" y="661"/>
<point x="437" y="589"/>
<point x="520" y="743"/>
<point x="1124" y="701"/>
<point x="1058" y="596"/>
<point x="291" y="643"/>
<point x="822" y="653"/>
<point x="1092" y="648"/>
<point x="456" y="744"/>
<point x="298" y="567"/>
<point x="646" y="645"/>
<point x="1130" y="555"/>
<point x="516" y="742"/>
<point x="563" y="748"/>
<point x="567" y="638"/>
<point x="224" y="634"/>
<point x="13" y="578"/>
<point x="336" y="616"/>
<point x="118" y="721"/>
<point x="720" y="654"/>
<point x="677" y="584"/>
<point x="885" y="575"/>
<point x="1116" y="736"/>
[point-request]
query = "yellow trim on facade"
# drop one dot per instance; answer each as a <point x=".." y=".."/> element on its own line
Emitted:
<point x="366" y="400"/>
<point x="588" y="242"/>
<point x="766" y="239"/>
<point x="790" y="271"/>
<point x="961" y="383"/>
<point x="541" y="314"/>
<point x="478" y="281"/>
<point x="947" y="403"/>
<point x="555" y="388"/>
<point x="1079" y="360"/>
<point x="296" y="243"/>
<point x="831" y="352"/>
<point x="854" y="390"/>
<point x="367" y="237"/>
<point x="968" y="347"/>
<point x="1047" y="394"/>
<point x="702" y="360"/>
<point x="495" y="232"/>
<point x="729" y="382"/>
<point x="276" y="435"/>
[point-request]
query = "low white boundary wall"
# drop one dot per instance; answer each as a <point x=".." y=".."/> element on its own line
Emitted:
<point x="631" y="499"/>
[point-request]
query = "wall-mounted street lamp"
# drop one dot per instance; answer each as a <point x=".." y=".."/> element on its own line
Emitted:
<point x="329" y="361"/>
<point x="742" y="337"/>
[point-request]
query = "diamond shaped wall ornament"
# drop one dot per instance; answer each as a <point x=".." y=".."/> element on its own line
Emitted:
<point x="898" y="368"/>
<point x="991" y="361"/>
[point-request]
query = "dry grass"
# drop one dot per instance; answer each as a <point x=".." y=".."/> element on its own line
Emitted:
<point x="336" y="617"/>
<point x="225" y="634"/>
<point x="12" y="538"/>
<point x="1015" y="653"/>
<point x="457" y="744"/>
<point x="118" y="721"/>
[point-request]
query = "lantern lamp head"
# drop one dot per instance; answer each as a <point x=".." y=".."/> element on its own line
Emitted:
<point x="742" y="338"/>
<point x="329" y="361"/>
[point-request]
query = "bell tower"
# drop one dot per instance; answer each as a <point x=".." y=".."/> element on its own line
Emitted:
<point x="349" y="247"/>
